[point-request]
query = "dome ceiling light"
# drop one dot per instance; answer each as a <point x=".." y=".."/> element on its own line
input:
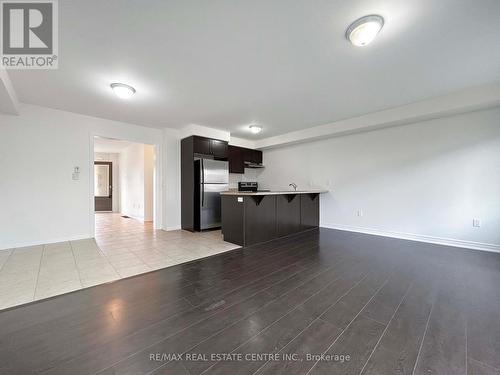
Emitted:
<point x="255" y="129"/>
<point x="364" y="30"/>
<point x="122" y="90"/>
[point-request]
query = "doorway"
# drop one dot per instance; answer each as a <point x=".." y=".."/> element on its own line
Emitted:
<point x="124" y="185"/>
<point x="103" y="186"/>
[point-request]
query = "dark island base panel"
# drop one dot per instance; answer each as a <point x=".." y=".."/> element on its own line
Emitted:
<point x="248" y="220"/>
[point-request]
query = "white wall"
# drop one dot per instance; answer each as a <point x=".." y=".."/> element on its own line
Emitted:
<point x="38" y="151"/>
<point x="251" y="174"/>
<point x="114" y="158"/>
<point x="428" y="179"/>
<point x="149" y="160"/>
<point x="40" y="201"/>
<point x="132" y="181"/>
<point x="171" y="179"/>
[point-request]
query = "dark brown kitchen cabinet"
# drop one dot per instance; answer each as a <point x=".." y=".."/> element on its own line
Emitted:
<point x="260" y="219"/>
<point x="253" y="156"/>
<point x="233" y="219"/>
<point x="248" y="219"/>
<point x="238" y="156"/>
<point x="236" y="162"/>
<point x="208" y="146"/>
<point x="218" y="149"/>
<point x="247" y="155"/>
<point x="201" y="145"/>
<point x="309" y="211"/>
<point x="257" y="156"/>
<point x="187" y="182"/>
<point x="287" y="214"/>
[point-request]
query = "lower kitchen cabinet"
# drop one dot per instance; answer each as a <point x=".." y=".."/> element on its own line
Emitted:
<point x="233" y="219"/>
<point x="309" y="211"/>
<point x="250" y="219"/>
<point x="260" y="218"/>
<point x="288" y="214"/>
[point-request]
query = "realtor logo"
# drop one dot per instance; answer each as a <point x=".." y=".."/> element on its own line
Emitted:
<point x="29" y="34"/>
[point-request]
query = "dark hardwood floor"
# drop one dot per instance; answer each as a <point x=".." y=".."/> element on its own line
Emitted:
<point x="321" y="302"/>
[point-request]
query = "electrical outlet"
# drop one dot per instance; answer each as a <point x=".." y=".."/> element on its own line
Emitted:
<point x="476" y="223"/>
<point x="360" y="213"/>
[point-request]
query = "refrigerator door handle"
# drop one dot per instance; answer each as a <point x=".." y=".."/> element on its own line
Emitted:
<point x="202" y="184"/>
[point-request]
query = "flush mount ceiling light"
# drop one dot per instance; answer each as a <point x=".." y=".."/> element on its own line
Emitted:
<point x="255" y="129"/>
<point x="122" y="90"/>
<point x="362" y="31"/>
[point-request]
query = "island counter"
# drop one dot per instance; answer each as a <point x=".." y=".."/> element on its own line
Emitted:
<point x="253" y="217"/>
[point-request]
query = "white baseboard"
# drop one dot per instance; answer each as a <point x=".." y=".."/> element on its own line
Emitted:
<point x="44" y="242"/>
<point x="176" y="227"/>
<point x="417" y="237"/>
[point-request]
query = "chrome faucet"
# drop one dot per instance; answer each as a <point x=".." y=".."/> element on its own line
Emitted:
<point x="294" y="185"/>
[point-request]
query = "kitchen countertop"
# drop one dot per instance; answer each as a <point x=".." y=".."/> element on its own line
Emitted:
<point x="236" y="192"/>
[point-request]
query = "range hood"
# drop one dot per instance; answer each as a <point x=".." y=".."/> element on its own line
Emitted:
<point x="249" y="164"/>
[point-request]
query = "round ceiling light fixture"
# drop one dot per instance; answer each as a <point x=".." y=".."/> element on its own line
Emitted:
<point x="255" y="129"/>
<point x="122" y="90"/>
<point x="364" y="30"/>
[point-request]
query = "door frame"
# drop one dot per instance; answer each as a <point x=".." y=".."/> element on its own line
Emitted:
<point x="110" y="178"/>
<point x="157" y="178"/>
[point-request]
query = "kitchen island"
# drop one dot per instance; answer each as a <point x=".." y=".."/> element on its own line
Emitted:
<point x="253" y="217"/>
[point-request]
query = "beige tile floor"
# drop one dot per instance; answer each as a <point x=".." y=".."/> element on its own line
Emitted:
<point x="122" y="248"/>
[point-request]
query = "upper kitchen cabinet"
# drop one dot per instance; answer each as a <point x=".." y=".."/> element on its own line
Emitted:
<point x="219" y="149"/>
<point x="201" y="145"/>
<point x="236" y="160"/>
<point x="211" y="147"/>
<point x="253" y="156"/>
<point x="240" y="157"/>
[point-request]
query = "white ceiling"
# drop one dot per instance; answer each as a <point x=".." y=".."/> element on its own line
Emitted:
<point x="282" y="63"/>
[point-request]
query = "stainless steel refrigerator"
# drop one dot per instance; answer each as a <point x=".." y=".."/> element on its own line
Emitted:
<point x="211" y="177"/>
